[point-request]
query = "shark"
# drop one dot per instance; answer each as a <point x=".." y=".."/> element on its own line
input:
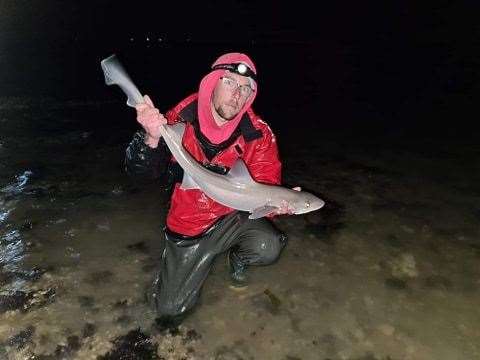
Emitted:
<point x="236" y="189"/>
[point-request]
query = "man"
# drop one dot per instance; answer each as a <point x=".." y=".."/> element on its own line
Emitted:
<point x="221" y="127"/>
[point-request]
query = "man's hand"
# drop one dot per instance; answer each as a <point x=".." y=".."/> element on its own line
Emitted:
<point x="284" y="208"/>
<point x="151" y="119"/>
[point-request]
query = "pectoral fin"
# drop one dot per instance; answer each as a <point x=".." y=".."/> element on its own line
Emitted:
<point x="262" y="211"/>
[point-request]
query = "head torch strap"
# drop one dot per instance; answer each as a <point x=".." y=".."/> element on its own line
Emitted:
<point x="238" y="68"/>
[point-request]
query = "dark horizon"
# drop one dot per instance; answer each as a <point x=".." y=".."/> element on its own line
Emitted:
<point x="389" y="66"/>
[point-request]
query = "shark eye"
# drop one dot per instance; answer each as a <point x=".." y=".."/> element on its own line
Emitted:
<point x="307" y="204"/>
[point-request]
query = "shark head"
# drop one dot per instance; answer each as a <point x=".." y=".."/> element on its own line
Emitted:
<point x="305" y="203"/>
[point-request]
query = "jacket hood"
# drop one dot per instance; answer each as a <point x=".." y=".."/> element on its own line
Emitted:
<point x="216" y="134"/>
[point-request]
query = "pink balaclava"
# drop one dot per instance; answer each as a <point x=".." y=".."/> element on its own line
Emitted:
<point x="216" y="134"/>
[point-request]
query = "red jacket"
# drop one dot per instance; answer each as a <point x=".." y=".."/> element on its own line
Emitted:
<point x="192" y="212"/>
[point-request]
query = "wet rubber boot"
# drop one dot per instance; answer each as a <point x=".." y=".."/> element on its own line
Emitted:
<point x="238" y="272"/>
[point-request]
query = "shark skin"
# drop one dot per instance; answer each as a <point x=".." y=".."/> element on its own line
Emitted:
<point x="237" y="189"/>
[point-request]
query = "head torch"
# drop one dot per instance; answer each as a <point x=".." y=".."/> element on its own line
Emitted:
<point x="237" y="68"/>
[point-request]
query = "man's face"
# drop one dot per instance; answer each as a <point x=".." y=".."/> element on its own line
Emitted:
<point x="230" y="94"/>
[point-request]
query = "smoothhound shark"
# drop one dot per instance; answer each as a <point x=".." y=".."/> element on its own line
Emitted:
<point x="237" y="189"/>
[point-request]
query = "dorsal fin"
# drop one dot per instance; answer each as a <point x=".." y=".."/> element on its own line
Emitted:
<point x="239" y="173"/>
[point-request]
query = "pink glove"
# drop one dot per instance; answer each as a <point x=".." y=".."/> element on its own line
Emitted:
<point x="151" y="119"/>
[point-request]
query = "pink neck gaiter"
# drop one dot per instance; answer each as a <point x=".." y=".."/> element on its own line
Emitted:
<point x="217" y="134"/>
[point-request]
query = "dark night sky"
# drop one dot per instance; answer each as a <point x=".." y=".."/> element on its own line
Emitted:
<point x="401" y="61"/>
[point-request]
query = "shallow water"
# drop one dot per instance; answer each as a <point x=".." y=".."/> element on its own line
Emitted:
<point x="387" y="270"/>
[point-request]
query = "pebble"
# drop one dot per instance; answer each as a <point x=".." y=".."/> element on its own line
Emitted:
<point x="386" y="329"/>
<point x="404" y="266"/>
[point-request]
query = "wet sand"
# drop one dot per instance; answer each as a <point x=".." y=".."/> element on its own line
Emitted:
<point x="387" y="270"/>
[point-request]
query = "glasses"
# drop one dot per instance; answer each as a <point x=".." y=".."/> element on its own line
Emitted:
<point x="232" y="85"/>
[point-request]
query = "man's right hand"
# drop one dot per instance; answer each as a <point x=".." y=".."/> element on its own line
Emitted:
<point x="151" y="119"/>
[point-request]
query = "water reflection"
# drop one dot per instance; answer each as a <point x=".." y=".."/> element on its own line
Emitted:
<point x="3" y="214"/>
<point x="12" y="251"/>
<point x="12" y="246"/>
<point x="18" y="186"/>
<point x="7" y="192"/>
